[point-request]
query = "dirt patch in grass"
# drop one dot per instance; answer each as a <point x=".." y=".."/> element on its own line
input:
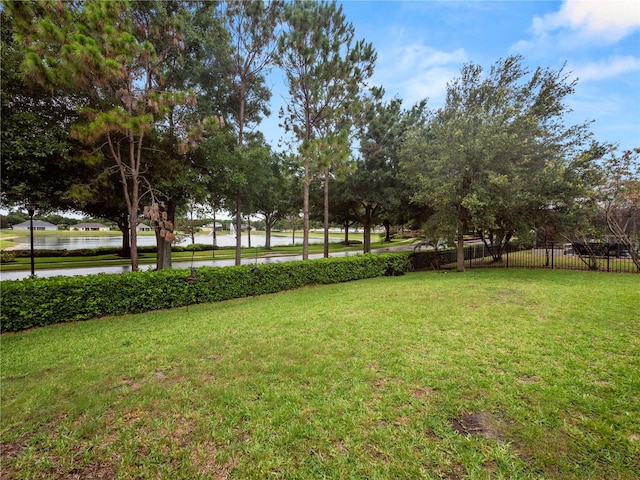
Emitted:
<point x="93" y="472"/>
<point x="203" y="460"/>
<point x="13" y="449"/>
<point x="9" y="451"/>
<point x="423" y="392"/>
<point x="456" y="472"/>
<point x="529" y="379"/>
<point x="483" y="424"/>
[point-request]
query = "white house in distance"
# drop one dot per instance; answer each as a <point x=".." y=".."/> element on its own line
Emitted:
<point x="209" y="226"/>
<point x="89" y="227"/>
<point x="38" y="225"/>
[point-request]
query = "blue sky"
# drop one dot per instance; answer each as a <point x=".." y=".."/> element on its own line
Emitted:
<point x="421" y="45"/>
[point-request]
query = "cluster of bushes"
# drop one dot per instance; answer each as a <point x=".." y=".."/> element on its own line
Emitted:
<point x="79" y="252"/>
<point x="7" y="257"/>
<point x="38" y="302"/>
<point x="195" y="247"/>
<point x="91" y="252"/>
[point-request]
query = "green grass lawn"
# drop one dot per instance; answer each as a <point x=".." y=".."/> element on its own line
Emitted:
<point x="487" y="374"/>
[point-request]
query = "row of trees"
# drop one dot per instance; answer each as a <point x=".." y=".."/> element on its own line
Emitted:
<point x="117" y="108"/>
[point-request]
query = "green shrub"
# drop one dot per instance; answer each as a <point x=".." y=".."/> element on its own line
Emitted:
<point x="91" y="252"/>
<point x="38" y="302"/>
<point x="195" y="247"/>
<point x="79" y="252"/>
<point x="7" y="257"/>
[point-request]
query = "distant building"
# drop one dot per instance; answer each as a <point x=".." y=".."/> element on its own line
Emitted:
<point x="38" y="225"/>
<point x="89" y="227"/>
<point x="141" y="227"/>
<point x="209" y="226"/>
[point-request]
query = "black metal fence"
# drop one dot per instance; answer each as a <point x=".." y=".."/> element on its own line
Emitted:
<point x="552" y="256"/>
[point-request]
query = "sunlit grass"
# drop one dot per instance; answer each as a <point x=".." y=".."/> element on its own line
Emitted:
<point x="487" y="374"/>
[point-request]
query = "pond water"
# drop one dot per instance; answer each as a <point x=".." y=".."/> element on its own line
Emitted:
<point x="54" y="272"/>
<point x="64" y="241"/>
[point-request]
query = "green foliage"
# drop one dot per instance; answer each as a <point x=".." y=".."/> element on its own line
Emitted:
<point x="374" y="190"/>
<point x="38" y="302"/>
<point x="494" y="158"/>
<point x="325" y="70"/>
<point x="7" y="257"/>
<point x="86" y="252"/>
<point x="196" y="247"/>
<point x="37" y="161"/>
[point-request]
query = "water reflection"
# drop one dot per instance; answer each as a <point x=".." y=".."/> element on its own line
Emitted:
<point x="73" y="242"/>
<point x="19" y="275"/>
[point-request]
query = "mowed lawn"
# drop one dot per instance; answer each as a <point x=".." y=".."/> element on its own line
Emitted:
<point x="487" y="374"/>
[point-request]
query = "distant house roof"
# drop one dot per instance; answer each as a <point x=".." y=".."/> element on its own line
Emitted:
<point x="37" y="224"/>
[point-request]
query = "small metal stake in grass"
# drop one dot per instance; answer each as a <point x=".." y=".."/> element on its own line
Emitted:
<point x="255" y="268"/>
<point x="192" y="278"/>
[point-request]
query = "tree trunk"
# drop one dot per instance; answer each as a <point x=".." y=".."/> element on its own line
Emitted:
<point x="191" y="228"/>
<point x="238" y="231"/>
<point x="305" y="213"/>
<point x="132" y="197"/>
<point x="133" y="222"/>
<point x="460" y="253"/>
<point x="346" y="232"/>
<point x="163" y="253"/>
<point x="268" y="222"/>
<point x="366" y="229"/>
<point x="490" y="245"/>
<point x="133" y="235"/>
<point x="326" y="213"/>
<point x="123" y="225"/>
<point x="215" y="238"/>
<point x="387" y="230"/>
<point x="242" y="98"/>
<point x="249" y="231"/>
<point x="366" y="236"/>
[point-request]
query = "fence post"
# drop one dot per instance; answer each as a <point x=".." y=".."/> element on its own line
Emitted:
<point x="553" y="249"/>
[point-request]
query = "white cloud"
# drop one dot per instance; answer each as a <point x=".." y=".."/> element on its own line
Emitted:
<point x="416" y="71"/>
<point x="420" y="57"/>
<point x="600" y="20"/>
<point x="431" y="84"/>
<point x="610" y="68"/>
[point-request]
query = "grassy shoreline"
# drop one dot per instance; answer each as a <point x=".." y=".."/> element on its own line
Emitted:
<point x="224" y="253"/>
<point x="488" y="374"/>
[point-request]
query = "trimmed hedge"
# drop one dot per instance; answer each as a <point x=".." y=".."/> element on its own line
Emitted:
<point x="44" y="301"/>
<point x="92" y="252"/>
